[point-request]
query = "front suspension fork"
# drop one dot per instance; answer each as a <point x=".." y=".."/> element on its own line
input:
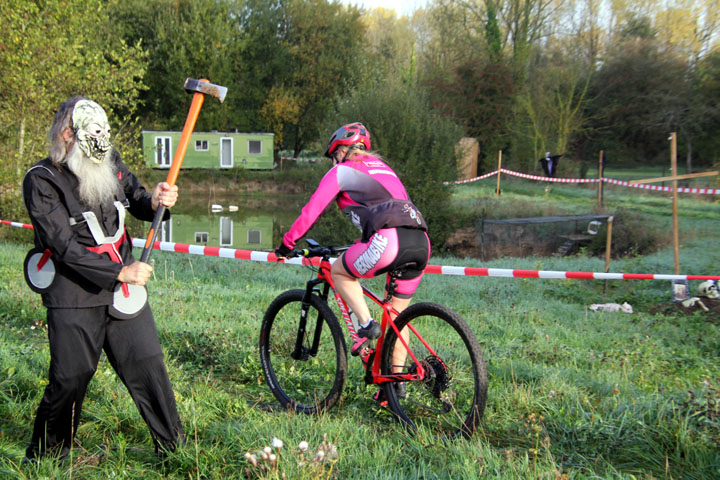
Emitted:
<point x="300" y="352"/>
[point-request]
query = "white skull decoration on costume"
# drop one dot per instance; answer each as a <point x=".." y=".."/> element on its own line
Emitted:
<point x="709" y="289"/>
<point x="92" y="130"/>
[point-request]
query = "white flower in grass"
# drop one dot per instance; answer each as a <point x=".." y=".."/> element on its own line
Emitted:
<point x="319" y="455"/>
<point x="277" y="443"/>
<point x="251" y="458"/>
<point x="303" y="446"/>
<point x="267" y="450"/>
<point x="273" y="458"/>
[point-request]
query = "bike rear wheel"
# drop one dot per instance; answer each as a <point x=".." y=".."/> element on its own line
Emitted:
<point x="450" y="400"/>
<point x="311" y="378"/>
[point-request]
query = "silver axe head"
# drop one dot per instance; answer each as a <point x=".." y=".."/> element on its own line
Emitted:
<point x="193" y="85"/>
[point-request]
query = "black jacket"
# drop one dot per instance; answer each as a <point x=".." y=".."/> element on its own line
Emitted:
<point x="83" y="278"/>
<point x="550" y="169"/>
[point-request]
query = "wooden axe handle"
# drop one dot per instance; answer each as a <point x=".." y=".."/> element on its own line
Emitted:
<point x="187" y="131"/>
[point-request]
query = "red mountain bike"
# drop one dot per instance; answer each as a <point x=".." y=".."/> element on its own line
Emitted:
<point x="304" y="355"/>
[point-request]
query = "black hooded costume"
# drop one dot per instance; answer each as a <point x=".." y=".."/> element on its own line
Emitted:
<point x="549" y="164"/>
<point x="79" y="325"/>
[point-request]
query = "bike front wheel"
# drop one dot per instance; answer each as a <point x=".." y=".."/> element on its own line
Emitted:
<point x="450" y="399"/>
<point x="304" y="360"/>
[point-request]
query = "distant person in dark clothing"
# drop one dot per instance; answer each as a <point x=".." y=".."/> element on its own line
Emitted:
<point x="549" y="164"/>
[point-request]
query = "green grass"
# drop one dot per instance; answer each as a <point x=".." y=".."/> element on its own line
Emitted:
<point x="573" y="393"/>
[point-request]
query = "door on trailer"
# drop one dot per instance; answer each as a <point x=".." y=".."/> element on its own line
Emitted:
<point x="163" y="151"/>
<point x="226" y="232"/>
<point x="226" y="153"/>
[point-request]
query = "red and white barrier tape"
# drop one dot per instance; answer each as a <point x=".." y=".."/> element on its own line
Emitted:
<point x="699" y="191"/>
<point x="550" y="179"/>
<point x="472" y="179"/>
<point x="706" y="191"/>
<point x="16" y="224"/>
<point x="257" y="256"/>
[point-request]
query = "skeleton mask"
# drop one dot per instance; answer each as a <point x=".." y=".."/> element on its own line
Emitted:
<point x="709" y="289"/>
<point x="92" y="131"/>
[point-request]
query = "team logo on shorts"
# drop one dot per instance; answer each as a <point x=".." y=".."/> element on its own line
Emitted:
<point x="365" y="262"/>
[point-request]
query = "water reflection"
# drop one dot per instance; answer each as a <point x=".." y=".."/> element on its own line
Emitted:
<point x="245" y="222"/>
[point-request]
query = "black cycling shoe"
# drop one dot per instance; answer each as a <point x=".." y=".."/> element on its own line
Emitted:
<point x="371" y="332"/>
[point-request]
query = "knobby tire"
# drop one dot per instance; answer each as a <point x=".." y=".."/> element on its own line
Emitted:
<point x="314" y="382"/>
<point x="450" y="402"/>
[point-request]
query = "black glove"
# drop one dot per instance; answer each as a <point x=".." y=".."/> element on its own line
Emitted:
<point x="283" y="251"/>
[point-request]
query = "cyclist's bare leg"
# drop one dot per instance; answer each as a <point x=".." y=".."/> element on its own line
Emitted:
<point x="350" y="290"/>
<point x="400" y="352"/>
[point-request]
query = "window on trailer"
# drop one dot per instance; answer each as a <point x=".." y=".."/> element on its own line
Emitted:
<point x="201" y="237"/>
<point x="254" y="147"/>
<point x="254" y="237"/>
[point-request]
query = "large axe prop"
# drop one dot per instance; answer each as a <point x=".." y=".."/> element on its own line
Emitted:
<point x="199" y="88"/>
<point x="128" y="299"/>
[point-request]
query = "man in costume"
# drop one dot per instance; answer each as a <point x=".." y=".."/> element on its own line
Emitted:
<point x="77" y="199"/>
<point x="549" y="164"/>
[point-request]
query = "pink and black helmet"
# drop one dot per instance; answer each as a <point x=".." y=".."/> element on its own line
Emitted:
<point x="351" y="134"/>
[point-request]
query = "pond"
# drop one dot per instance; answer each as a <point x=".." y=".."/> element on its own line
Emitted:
<point x="256" y="221"/>
<point x="231" y="221"/>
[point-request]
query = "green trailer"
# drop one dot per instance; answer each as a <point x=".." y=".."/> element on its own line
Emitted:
<point x="251" y="151"/>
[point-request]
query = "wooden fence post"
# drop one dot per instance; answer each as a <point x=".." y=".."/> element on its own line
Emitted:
<point x="676" y="236"/>
<point x="608" y="243"/>
<point x="600" y="182"/>
<point x="497" y="189"/>
<point x="608" y="250"/>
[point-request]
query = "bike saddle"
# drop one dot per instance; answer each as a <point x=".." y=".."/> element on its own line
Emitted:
<point x="402" y="268"/>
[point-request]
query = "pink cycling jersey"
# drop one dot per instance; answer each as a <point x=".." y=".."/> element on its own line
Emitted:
<point x="368" y="191"/>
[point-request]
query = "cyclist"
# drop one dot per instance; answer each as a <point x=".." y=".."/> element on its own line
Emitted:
<point x="393" y="231"/>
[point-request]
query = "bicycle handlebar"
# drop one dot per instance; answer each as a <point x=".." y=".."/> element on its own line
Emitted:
<point x="316" y="250"/>
<point x="328" y="251"/>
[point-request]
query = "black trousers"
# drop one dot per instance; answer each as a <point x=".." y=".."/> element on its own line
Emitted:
<point x="77" y="338"/>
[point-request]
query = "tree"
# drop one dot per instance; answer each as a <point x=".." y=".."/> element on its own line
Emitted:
<point x="553" y="102"/>
<point x="183" y="38"/>
<point x="640" y="93"/>
<point x="323" y="43"/>
<point x="480" y="96"/>
<point x="706" y="92"/>
<point x="525" y="22"/>
<point x="51" y="50"/>
<point x="390" y="44"/>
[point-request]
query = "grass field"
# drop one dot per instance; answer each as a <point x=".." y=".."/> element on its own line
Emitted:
<point x="573" y="393"/>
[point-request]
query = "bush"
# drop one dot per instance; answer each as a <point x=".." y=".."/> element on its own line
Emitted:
<point x="632" y="234"/>
<point x="417" y="143"/>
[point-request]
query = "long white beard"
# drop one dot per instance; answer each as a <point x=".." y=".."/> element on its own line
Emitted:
<point x="98" y="181"/>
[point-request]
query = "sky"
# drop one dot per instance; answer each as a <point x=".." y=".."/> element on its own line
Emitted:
<point x="402" y="7"/>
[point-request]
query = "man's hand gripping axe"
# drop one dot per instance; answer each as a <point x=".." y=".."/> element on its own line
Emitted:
<point x="129" y="300"/>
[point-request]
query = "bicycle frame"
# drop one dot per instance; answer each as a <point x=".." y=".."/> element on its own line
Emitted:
<point x="368" y="358"/>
